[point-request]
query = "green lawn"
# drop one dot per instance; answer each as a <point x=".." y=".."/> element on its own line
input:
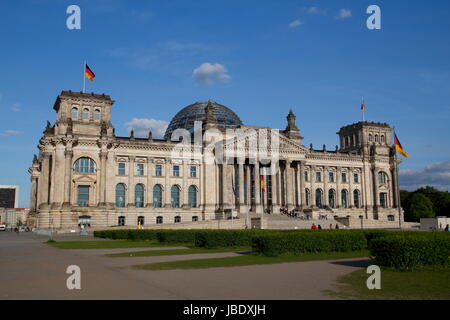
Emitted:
<point x="153" y="253"/>
<point x="248" y="259"/>
<point x="424" y="284"/>
<point x="109" y="244"/>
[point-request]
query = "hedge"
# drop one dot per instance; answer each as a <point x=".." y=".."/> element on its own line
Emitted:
<point x="176" y="236"/>
<point x="301" y="242"/>
<point x="228" y="238"/>
<point x="127" y="234"/>
<point x="411" y="251"/>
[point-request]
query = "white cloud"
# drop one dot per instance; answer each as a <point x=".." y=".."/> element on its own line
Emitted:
<point x="316" y="10"/>
<point x="142" y="126"/>
<point x="344" y="14"/>
<point x="436" y="175"/>
<point x="16" y="107"/>
<point x="8" y="133"/>
<point x="295" y="23"/>
<point x="208" y="74"/>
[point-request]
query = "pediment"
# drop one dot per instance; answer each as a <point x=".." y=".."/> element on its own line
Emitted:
<point x="248" y="141"/>
<point x="85" y="178"/>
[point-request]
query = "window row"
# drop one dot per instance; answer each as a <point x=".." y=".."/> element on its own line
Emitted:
<point x="377" y="138"/>
<point x="159" y="220"/>
<point x="332" y="200"/>
<point x="85" y="114"/>
<point x="332" y="177"/>
<point x="139" y="196"/>
<point x="139" y="170"/>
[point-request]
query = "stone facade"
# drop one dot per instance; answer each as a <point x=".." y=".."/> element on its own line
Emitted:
<point x="84" y="171"/>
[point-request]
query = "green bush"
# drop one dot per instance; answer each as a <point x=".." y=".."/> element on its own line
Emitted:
<point x="127" y="234"/>
<point x="228" y="238"/>
<point x="316" y="241"/>
<point x="410" y="251"/>
<point x="176" y="236"/>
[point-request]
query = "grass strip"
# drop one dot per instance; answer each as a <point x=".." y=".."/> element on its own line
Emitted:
<point x="172" y="252"/>
<point x="248" y="259"/>
<point x="109" y="244"/>
<point x="428" y="283"/>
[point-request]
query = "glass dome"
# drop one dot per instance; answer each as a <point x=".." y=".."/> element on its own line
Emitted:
<point x="186" y="117"/>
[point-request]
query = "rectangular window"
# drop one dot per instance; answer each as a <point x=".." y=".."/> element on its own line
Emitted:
<point x="193" y="171"/>
<point x="318" y="177"/>
<point x="176" y="171"/>
<point x="306" y="176"/>
<point x="356" y="178"/>
<point x="344" y="177"/>
<point x="331" y="176"/>
<point x="121" y="170"/>
<point x="140" y="169"/>
<point x="383" y="200"/>
<point x="83" y="196"/>
<point x="158" y="170"/>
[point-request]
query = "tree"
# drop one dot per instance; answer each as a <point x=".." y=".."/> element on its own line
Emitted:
<point x="421" y="207"/>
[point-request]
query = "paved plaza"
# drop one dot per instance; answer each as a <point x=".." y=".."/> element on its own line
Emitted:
<point x="30" y="269"/>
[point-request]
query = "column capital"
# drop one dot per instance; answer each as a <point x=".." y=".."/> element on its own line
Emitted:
<point x="68" y="153"/>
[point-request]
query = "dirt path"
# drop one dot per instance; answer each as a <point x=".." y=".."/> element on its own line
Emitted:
<point x="30" y="269"/>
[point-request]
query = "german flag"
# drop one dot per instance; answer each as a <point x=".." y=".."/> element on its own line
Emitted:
<point x="399" y="148"/>
<point x="88" y="73"/>
<point x="261" y="179"/>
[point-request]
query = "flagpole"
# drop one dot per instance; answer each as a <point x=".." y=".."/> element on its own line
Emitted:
<point x="397" y="185"/>
<point x="84" y="77"/>
<point x="363" y="109"/>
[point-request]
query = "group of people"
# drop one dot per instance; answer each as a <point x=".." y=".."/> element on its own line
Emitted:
<point x="293" y="213"/>
<point x="319" y="227"/>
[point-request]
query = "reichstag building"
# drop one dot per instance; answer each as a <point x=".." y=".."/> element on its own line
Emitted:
<point x="84" y="172"/>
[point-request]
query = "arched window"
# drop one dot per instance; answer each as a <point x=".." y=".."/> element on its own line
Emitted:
<point x="74" y="113"/>
<point x="177" y="219"/>
<point x="194" y="218"/>
<point x="175" y="196"/>
<point x="382" y="177"/>
<point x="332" y="198"/>
<point x="141" y="220"/>
<point x="356" y="199"/>
<point x="84" y="165"/>
<point x="85" y="114"/>
<point x="319" y="197"/>
<point x="376" y="138"/>
<point x="159" y="220"/>
<point x="157" y="196"/>
<point x="370" y="138"/>
<point x="307" y="197"/>
<point x="192" y="196"/>
<point x="120" y="195"/>
<point x="139" y="195"/>
<point x="344" y="198"/>
<point x="96" y="114"/>
<point x="383" y="140"/>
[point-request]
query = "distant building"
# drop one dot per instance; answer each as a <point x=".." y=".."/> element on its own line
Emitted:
<point x="437" y="223"/>
<point x="11" y="217"/>
<point x="9" y="197"/>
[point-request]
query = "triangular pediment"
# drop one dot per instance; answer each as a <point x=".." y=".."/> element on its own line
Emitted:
<point x="85" y="178"/>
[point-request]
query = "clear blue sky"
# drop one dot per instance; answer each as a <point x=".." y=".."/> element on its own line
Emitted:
<point x="310" y="56"/>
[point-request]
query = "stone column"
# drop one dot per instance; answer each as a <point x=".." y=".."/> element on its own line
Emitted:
<point x="394" y="189"/>
<point x="131" y="171"/>
<point x="43" y="187"/>
<point x="289" y="185"/>
<point x="58" y="179"/>
<point x="376" y="200"/>
<point x="338" y="187"/>
<point x="33" y="195"/>
<point x="167" y="184"/>
<point x="313" y="190"/>
<point x="325" y="187"/>
<point x="275" y="194"/>
<point x="242" y="206"/>
<point x="68" y="178"/>
<point x="184" y="191"/>
<point x="149" y="188"/>
<point x="350" y="192"/>
<point x="258" y="207"/>
<point x="302" y="184"/>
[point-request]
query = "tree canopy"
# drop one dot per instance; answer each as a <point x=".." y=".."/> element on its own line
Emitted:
<point x="426" y="202"/>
